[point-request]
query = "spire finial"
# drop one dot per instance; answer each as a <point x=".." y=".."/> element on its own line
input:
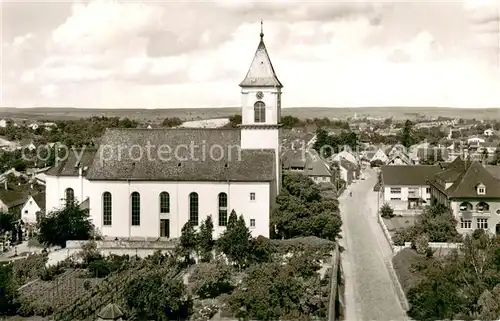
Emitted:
<point x="261" y="29"/>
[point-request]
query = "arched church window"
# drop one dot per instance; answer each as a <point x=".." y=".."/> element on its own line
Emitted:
<point x="259" y="110"/>
<point x="69" y="195"/>
<point x="164" y="202"/>
<point x="135" y="200"/>
<point x="106" y="208"/>
<point x="193" y="208"/>
<point x="222" y="209"/>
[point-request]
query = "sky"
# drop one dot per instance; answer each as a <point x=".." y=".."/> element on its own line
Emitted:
<point x="181" y="54"/>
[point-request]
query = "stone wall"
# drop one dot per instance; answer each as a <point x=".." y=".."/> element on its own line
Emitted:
<point x="141" y="248"/>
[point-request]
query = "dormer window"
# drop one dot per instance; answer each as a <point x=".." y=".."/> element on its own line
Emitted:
<point x="481" y="189"/>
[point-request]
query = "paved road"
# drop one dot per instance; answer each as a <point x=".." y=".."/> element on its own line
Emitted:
<point x="370" y="293"/>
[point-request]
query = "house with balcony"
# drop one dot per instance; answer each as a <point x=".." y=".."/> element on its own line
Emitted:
<point x="405" y="187"/>
<point x="471" y="192"/>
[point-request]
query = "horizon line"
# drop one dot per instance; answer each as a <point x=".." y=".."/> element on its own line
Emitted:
<point x="233" y="107"/>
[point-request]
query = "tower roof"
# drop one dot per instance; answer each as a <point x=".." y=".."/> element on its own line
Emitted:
<point x="261" y="72"/>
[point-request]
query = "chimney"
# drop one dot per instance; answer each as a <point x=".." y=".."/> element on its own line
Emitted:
<point x="80" y="171"/>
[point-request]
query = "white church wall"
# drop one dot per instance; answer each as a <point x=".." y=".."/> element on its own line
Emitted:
<point x="270" y="99"/>
<point x="55" y="190"/>
<point x="238" y="199"/>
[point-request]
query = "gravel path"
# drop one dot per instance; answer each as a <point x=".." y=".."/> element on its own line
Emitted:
<point x="370" y="293"/>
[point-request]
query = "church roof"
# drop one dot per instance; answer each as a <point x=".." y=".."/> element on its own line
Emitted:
<point x="71" y="162"/>
<point x="181" y="154"/>
<point x="261" y="72"/>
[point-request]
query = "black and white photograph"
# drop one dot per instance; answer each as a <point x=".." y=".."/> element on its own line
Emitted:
<point x="248" y="160"/>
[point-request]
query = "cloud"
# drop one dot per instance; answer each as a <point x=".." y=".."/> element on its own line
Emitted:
<point x="49" y="91"/>
<point x="175" y="54"/>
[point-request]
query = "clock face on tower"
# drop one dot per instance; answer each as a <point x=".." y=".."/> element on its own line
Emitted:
<point x="260" y="95"/>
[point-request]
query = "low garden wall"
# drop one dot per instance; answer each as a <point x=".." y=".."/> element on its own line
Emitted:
<point x="432" y="245"/>
<point x="140" y="248"/>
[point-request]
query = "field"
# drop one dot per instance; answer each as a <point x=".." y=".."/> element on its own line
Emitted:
<point x="206" y="123"/>
<point x="157" y="115"/>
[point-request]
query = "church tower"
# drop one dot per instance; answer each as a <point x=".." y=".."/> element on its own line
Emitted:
<point x="261" y="106"/>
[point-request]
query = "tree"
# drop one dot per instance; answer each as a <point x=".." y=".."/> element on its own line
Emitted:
<point x="484" y="154"/>
<point x="261" y="250"/>
<point x="211" y="280"/>
<point x="8" y="302"/>
<point x="277" y="291"/>
<point x="437" y="222"/>
<point x="232" y="220"/>
<point x="205" y="239"/>
<point x="6" y="221"/>
<point x="290" y="122"/>
<point x="235" y="242"/>
<point x="406" y="137"/>
<point x="171" y="122"/>
<point x="68" y="223"/>
<point x="234" y="121"/>
<point x="386" y="211"/>
<point x="19" y="233"/>
<point x="158" y="295"/>
<point x="323" y="143"/>
<point x="462" y="285"/>
<point x="302" y="211"/>
<point x="188" y="242"/>
<point x="496" y="161"/>
<point x="13" y="235"/>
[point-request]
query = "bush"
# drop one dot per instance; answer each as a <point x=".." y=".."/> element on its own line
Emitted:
<point x="102" y="267"/>
<point x="50" y="273"/>
<point x="420" y="244"/>
<point x="386" y="211"/>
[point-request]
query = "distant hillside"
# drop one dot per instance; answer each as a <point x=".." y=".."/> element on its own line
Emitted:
<point x="155" y="115"/>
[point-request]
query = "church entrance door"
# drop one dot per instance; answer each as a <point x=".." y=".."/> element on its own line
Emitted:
<point x="165" y="228"/>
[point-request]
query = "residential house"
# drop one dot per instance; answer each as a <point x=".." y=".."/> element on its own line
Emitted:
<point x="399" y="158"/>
<point x="344" y="154"/>
<point x="395" y="149"/>
<point x="55" y="145"/>
<point x="317" y="169"/>
<point x="490" y="147"/>
<point x="5" y="175"/>
<point x="413" y="150"/>
<point x="434" y="154"/>
<point x="471" y="192"/>
<point x="347" y="170"/>
<point x="49" y="126"/>
<point x="309" y="163"/>
<point x="33" y="208"/>
<point x="33" y="126"/>
<point x="475" y="140"/>
<point x="372" y="156"/>
<point x="489" y="132"/>
<point x="12" y="200"/>
<point x="3" y="123"/>
<point x="26" y="144"/>
<point x="406" y="187"/>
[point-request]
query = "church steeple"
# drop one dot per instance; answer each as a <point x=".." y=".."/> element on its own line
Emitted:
<point x="261" y="72"/>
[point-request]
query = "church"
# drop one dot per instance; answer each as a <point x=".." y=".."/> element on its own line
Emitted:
<point x="150" y="182"/>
